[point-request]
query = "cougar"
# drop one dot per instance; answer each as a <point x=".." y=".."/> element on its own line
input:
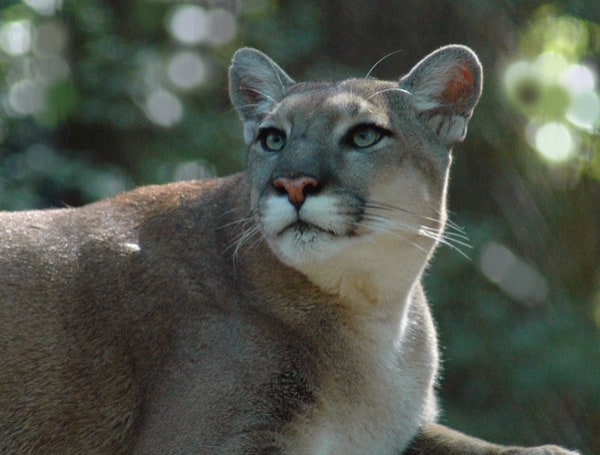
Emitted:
<point x="275" y="311"/>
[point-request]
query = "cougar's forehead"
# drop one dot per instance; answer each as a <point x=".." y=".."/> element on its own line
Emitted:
<point x="330" y="107"/>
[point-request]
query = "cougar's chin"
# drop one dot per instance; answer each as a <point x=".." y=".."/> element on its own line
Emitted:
<point x="304" y="244"/>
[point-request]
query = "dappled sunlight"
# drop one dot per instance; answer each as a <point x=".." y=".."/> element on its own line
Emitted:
<point x="189" y="25"/>
<point x="556" y="90"/>
<point x="54" y="75"/>
<point x="560" y="99"/>
<point x="37" y="63"/>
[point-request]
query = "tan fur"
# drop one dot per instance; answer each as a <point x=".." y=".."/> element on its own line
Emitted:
<point x="228" y="316"/>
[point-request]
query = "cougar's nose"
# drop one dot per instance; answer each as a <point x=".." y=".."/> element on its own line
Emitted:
<point x="297" y="188"/>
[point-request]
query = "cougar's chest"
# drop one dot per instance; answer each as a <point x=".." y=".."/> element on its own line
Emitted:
<point x="370" y="399"/>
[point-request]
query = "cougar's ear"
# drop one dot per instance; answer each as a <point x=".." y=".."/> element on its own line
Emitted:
<point x="446" y="86"/>
<point x="256" y="84"/>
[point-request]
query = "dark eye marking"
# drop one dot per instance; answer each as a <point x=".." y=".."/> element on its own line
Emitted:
<point x="271" y="139"/>
<point x="364" y="135"/>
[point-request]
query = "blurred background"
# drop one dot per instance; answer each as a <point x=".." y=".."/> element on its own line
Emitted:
<point x="100" y="96"/>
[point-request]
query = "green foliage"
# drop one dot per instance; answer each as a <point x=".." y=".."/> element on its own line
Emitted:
<point x="551" y="30"/>
<point x="556" y="90"/>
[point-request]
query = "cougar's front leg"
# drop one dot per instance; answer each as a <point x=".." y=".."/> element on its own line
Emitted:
<point x="437" y="439"/>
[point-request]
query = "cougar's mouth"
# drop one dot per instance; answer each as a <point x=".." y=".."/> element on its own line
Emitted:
<point x="303" y="227"/>
<point x="321" y="219"/>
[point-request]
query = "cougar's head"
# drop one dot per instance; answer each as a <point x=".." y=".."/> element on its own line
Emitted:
<point x="335" y="165"/>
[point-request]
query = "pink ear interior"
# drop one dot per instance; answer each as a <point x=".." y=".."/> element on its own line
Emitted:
<point x="251" y="95"/>
<point x="460" y="85"/>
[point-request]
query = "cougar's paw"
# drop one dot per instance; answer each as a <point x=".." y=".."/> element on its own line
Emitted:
<point x="542" y="450"/>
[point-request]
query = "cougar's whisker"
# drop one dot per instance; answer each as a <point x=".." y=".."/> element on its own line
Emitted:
<point x="243" y="241"/>
<point x="378" y="226"/>
<point x="382" y="59"/>
<point x="235" y="222"/>
<point x="454" y="240"/>
<point x="242" y="106"/>
<point x="391" y="208"/>
<point x="392" y="89"/>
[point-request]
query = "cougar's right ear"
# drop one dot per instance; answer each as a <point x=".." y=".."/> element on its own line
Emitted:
<point x="256" y="84"/>
<point x="446" y="86"/>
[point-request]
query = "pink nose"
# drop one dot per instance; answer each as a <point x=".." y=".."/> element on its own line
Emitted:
<point x="296" y="188"/>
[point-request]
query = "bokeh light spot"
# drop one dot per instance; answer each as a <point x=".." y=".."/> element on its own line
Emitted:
<point x="495" y="261"/>
<point x="514" y="276"/>
<point x="15" y="37"/>
<point x="578" y="79"/>
<point x="523" y="86"/>
<point x="40" y="158"/>
<point x="584" y="111"/>
<point x="50" y="38"/>
<point x="164" y="108"/>
<point x="187" y="70"/>
<point x="554" y="102"/>
<point x="45" y="7"/>
<point x="518" y="71"/>
<point x="52" y="69"/>
<point x="222" y="26"/>
<point x="25" y="97"/>
<point x="550" y="66"/>
<point x="189" y="24"/>
<point x="99" y="185"/>
<point x="192" y="170"/>
<point x="554" y="142"/>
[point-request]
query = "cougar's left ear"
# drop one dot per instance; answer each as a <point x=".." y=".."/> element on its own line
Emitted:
<point x="256" y="84"/>
<point x="446" y="86"/>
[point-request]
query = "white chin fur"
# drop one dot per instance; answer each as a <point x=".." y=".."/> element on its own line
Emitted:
<point x="298" y="248"/>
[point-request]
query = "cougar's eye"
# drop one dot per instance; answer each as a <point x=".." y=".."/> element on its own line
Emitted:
<point x="364" y="136"/>
<point x="272" y="139"/>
